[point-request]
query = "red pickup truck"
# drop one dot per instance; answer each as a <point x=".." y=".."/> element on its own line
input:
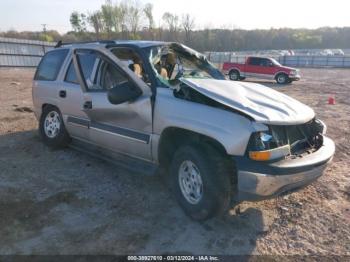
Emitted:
<point x="261" y="67"/>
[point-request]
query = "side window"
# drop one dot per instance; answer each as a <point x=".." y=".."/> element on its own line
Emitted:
<point x="265" y="62"/>
<point x="89" y="61"/>
<point x="99" y="73"/>
<point x="254" y="61"/>
<point x="50" y="65"/>
<point x="109" y="76"/>
<point x="71" y="75"/>
<point x="133" y="60"/>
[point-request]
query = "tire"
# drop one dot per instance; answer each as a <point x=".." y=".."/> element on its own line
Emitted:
<point x="214" y="196"/>
<point x="282" y="79"/>
<point x="242" y="78"/>
<point x="52" y="129"/>
<point x="234" y="75"/>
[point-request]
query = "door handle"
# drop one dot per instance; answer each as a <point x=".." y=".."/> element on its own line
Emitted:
<point x="63" y="93"/>
<point x="88" y="105"/>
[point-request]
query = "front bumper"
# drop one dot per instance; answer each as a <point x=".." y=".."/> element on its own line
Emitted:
<point x="260" y="180"/>
<point x="294" y="77"/>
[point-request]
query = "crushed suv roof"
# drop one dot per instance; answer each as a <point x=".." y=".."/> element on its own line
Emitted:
<point x="141" y="44"/>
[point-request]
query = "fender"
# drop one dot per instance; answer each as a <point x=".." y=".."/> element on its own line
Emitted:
<point x="231" y="130"/>
<point x="236" y="68"/>
<point x="279" y="72"/>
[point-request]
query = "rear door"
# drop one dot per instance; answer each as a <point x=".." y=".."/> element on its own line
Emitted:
<point x="126" y="127"/>
<point x="253" y="67"/>
<point x="71" y="99"/>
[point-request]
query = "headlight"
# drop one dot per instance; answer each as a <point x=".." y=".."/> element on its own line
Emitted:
<point x="263" y="147"/>
<point x="293" y="72"/>
<point x="321" y="126"/>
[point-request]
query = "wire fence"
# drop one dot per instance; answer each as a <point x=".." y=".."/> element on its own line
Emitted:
<point x="27" y="53"/>
<point x="22" y="52"/>
<point x="317" y="61"/>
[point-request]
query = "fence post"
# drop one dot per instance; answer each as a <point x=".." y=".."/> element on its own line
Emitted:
<point x="298" y="61"/>
<point x="43" y="47"/>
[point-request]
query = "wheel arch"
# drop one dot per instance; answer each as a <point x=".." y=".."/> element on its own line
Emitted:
<point x="235" y="69"/>
<point x="280" y="72"/>
<point x="40" y="109"/>
<point x="173" y="137"/>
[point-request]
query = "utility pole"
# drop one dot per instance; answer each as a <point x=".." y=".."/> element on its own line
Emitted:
<point x="44" y="28"/>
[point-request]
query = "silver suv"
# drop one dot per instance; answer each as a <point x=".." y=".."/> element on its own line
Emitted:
<point x="150" y="104"/>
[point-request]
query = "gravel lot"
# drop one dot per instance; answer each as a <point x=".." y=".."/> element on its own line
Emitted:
<point x="65" y="202"/>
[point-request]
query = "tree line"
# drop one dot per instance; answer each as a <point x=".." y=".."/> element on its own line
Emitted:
<point x="131" y="20"/>
<point x="134" y="20"/>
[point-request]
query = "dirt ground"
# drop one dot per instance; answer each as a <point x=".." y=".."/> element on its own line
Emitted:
<point x="65" y="202"/>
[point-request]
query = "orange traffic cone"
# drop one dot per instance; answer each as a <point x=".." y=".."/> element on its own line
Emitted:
<point x="331" y="100"/>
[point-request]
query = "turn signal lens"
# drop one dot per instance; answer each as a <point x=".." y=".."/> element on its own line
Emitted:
<point x="270" y="154"/>
<point x="260" y="155"/>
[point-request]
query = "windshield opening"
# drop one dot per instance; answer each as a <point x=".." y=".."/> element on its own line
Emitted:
<point x="171" y="62"/>
<point x="274" y="61"/>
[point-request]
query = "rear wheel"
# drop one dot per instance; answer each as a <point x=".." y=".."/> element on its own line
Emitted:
<point x="282" y="79"/>
<point x="200" y="179"/>
<point x="234" y="75"/>
<point x="52" y="129"/>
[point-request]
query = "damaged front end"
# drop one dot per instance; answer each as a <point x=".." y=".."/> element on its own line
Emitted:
<point x="283" y="158"/>
<point x="286" y="141"/>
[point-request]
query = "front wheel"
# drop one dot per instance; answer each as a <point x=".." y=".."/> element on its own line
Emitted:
<point x="52" y="129"/>
<point x="282" y="79"/>
<point x="200" y="179"/>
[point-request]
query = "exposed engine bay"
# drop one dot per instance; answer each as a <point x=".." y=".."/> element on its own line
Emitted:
<point x="302" y="139"/>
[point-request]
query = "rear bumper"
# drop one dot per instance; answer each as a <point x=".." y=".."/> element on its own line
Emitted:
<point x="258" y="180"/>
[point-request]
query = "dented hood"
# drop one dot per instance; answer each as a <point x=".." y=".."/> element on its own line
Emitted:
<point x="262" y="103"/>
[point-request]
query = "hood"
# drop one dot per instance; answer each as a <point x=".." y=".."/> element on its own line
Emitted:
<point x="289" y="68"/>
<point x="262" y="103"/>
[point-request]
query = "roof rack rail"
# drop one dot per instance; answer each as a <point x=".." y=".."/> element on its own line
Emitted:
<point x="60" y="43"/>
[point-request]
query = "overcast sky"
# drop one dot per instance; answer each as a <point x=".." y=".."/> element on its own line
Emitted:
<point x="247" y="14"/>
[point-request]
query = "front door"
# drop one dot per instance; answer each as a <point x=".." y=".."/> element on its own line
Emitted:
<point x="125" y="128"/>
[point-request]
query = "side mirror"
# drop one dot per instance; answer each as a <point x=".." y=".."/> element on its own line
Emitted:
<point x="123" y="92"/>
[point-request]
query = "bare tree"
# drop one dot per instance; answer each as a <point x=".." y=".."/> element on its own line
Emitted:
<point x="148" y="10"/>
<point x="188" y="24"/>
<point x="159" y="31"/>
<point x="96" y="21"/>
<point x="134" y="17"/>
<point x="172" y="22"/>
<point x="123" y="17"/>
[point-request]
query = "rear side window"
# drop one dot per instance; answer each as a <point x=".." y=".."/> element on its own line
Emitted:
<point x="255" y="61"/>
<point x="87" y="62"/>
<point x="50" y="65"/>
<point x="71" y="76"/>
